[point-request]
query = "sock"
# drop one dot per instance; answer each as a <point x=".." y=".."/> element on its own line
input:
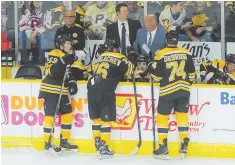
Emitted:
<point x="182" y="122"/>
<point x="66" y="125"/>
<point x="47" y="127"/>
<point x="105" y="131"/>
<point x="162" y="123"/>
<point x="96" y="124"/>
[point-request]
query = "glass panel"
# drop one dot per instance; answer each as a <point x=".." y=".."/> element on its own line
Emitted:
<point x="204" y="16"/>
<point x="229" y="14"/>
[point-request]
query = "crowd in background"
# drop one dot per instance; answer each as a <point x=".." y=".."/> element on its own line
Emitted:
<point x="39" y="21"/>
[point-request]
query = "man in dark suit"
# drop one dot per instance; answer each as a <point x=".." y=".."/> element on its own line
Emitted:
<point x="124" y="30"/>
<point x="153" y="35"/>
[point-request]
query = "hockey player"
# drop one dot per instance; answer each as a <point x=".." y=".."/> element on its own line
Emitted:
<point x="110" y="68"/>
<point x="50" y="90"/>
<point x="141" y="73"/>
<point x="173" y="67"/>
<point x="219" y="71"/>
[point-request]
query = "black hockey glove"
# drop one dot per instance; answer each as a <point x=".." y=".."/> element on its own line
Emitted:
<point x="73" y="88"/>
<point x="220" y="78"/>
<point x="69" y="59"/>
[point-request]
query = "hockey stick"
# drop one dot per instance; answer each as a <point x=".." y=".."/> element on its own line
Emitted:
<point x="136" y="149"/>
<point x="153" y="116"/>
<point x="58" y="104"/>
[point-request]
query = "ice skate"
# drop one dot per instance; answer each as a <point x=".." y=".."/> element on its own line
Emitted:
<point x="183" y="148"/>
<point x="48" y="148"/>
<point x="105" y="151"/>
<point x="97" y="143"/>
<point x="162" y="151"/>
<point x="66" y="146"/>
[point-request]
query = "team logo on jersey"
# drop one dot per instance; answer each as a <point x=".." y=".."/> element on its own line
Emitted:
<point x="75" y="35"/>
<point x="126" y="112"/>
<point x="199" y="19"/>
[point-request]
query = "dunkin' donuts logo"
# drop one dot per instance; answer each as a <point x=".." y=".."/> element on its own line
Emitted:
<point x="18" y="110"/>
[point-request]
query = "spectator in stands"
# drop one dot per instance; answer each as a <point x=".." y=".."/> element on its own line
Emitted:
<point x="98" y="16"/>
<point x="72" y="30"/>
<point x="231" y="6"/>
<point x="174" y="18"/>
<point x="53" y="18"/>
<point x="204" y="19"/>
<point x="155" y="6"/>
<point x="84" y="4"/>
<point x="31" y="24"/>
<point x="135" y="12"/>
<point x="152" y="35"/>
<point x="230" y="21"/>
<point x="124" y="30"/>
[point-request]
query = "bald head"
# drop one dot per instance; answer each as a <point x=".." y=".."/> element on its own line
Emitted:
<point x="69" y="17"/>
<point x="151" y="22"/>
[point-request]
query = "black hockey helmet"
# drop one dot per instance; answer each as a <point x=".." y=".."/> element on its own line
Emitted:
<point x="230" y="58"/>
<point x="61" y="40"/>
<point x="108" y="45"/>
<point x="172" y="38"/>
<point x="143" y="59"/>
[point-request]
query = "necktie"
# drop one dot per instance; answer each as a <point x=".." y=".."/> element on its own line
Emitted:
<point x="123" y="39"/>
<point x="150" y="39"/>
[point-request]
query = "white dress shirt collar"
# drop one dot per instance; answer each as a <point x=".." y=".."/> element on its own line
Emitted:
<point x="153" y="33"/>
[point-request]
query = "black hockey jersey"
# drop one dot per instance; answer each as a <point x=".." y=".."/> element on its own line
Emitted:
<point x="174" y="69"/>
<point x="112" y="67"/>
<point x="215" y="72"/>
<point x="54" y="73"/>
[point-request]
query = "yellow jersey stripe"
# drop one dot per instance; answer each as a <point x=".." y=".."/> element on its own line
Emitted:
<point x="79" y="65"/>
<point x="173" y="87"/>
<point x="117" y="55"/>
<point x="175" y="83"/>
<point x="54" y="86"/>
<point x="155" y="77"/>
<point x="54" y="92"/>
<point x="191" y="74"/>
<point x="54" y="89"/>
<point x="174" y="90"/>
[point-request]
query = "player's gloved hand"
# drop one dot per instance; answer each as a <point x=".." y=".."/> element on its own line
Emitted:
<point x="87" y="75"/>
<point x="219" y="78"/>
<point x="69" y="59"/>
<point x="73" y="89"/>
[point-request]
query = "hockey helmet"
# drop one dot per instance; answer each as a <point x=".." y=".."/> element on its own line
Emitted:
<point x="172" y="38"/>
<point x="230" y="58"/>
<point x="108" y="45"/>
<point x="61" y="40"/>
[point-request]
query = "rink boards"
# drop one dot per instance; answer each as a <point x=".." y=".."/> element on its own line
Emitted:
<point x="211" y="119"/>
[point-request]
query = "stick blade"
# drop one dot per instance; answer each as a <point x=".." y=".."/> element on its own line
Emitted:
<point x="134" y="151"/>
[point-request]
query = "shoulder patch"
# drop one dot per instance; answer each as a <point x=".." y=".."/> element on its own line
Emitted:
<point x="57" y="53"/>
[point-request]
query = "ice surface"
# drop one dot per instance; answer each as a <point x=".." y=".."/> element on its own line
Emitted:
<point x="30" y="156"/>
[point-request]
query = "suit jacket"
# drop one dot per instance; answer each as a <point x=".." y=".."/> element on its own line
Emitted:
<point x="158" y="41"/>
<point x="113" y="33"/>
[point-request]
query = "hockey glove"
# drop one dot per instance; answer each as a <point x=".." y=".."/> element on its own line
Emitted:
<point x="69" y="59"/>
<point x="73" y="89"/>
<point x="219" y="78"/>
